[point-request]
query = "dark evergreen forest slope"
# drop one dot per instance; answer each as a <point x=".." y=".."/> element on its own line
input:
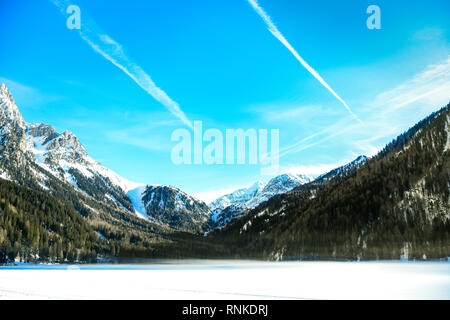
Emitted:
<point x="34" y="225"/>
<point x="395" y="205"/>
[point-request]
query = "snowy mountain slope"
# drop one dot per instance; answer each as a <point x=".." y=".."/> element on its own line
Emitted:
<point x="277" y="185"/>
<point x="233" y="205"/>
<point x="37" y="156"/>
<point x="135" y="196"/>
<point x="61" y="152"/>
<point x="238" y="197"/>
<point x="65" y="158"/>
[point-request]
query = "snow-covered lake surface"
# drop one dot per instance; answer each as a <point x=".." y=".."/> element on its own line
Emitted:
<point x="215" y="279"/>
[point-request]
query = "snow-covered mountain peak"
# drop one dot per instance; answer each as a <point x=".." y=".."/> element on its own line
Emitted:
<point x="55" y="149"/>
<point x="230" y="206"/>
<point x="280" y="184"/>
<point x="238" y="197"/>
<point x="12" y="129"/>
<point x="42" y="130"/>
<point x="68" y="143"/>
<point x="5" y="94"/>
<point x="287" y="179"/>
<point x="359" y="160"/>
<point x="9" y="113"/>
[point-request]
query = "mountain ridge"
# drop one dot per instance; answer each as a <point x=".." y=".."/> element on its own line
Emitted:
<point x="235" y="204"/>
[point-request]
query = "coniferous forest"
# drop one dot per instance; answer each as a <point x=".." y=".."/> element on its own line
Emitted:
<point x="34" y="225"/>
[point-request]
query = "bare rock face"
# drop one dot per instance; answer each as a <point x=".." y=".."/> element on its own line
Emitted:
<point x="12" y="134"/>
<point x="42" y="130"/>
<point x="9" y="113"/>
<point x="66" y="147"/>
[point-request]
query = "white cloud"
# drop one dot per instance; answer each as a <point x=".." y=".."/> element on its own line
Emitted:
<point x="390" y="113"/>
<point x="431" y="86"/>
<point x="395" y="110"/>
<point x="340" y="127"/>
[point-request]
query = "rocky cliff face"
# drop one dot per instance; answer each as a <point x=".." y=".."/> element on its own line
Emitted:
<point x="12" y="136"/>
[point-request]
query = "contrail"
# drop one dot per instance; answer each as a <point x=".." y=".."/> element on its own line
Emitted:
<point x="274" y="30"/>
<point x="113" y="52"/>
<point x="306" y="144"/>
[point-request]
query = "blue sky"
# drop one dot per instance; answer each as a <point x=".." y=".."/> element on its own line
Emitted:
<point x="218" y="63"/>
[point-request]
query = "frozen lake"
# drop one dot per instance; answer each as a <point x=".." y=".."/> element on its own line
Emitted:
<point x="229" y="280"/>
